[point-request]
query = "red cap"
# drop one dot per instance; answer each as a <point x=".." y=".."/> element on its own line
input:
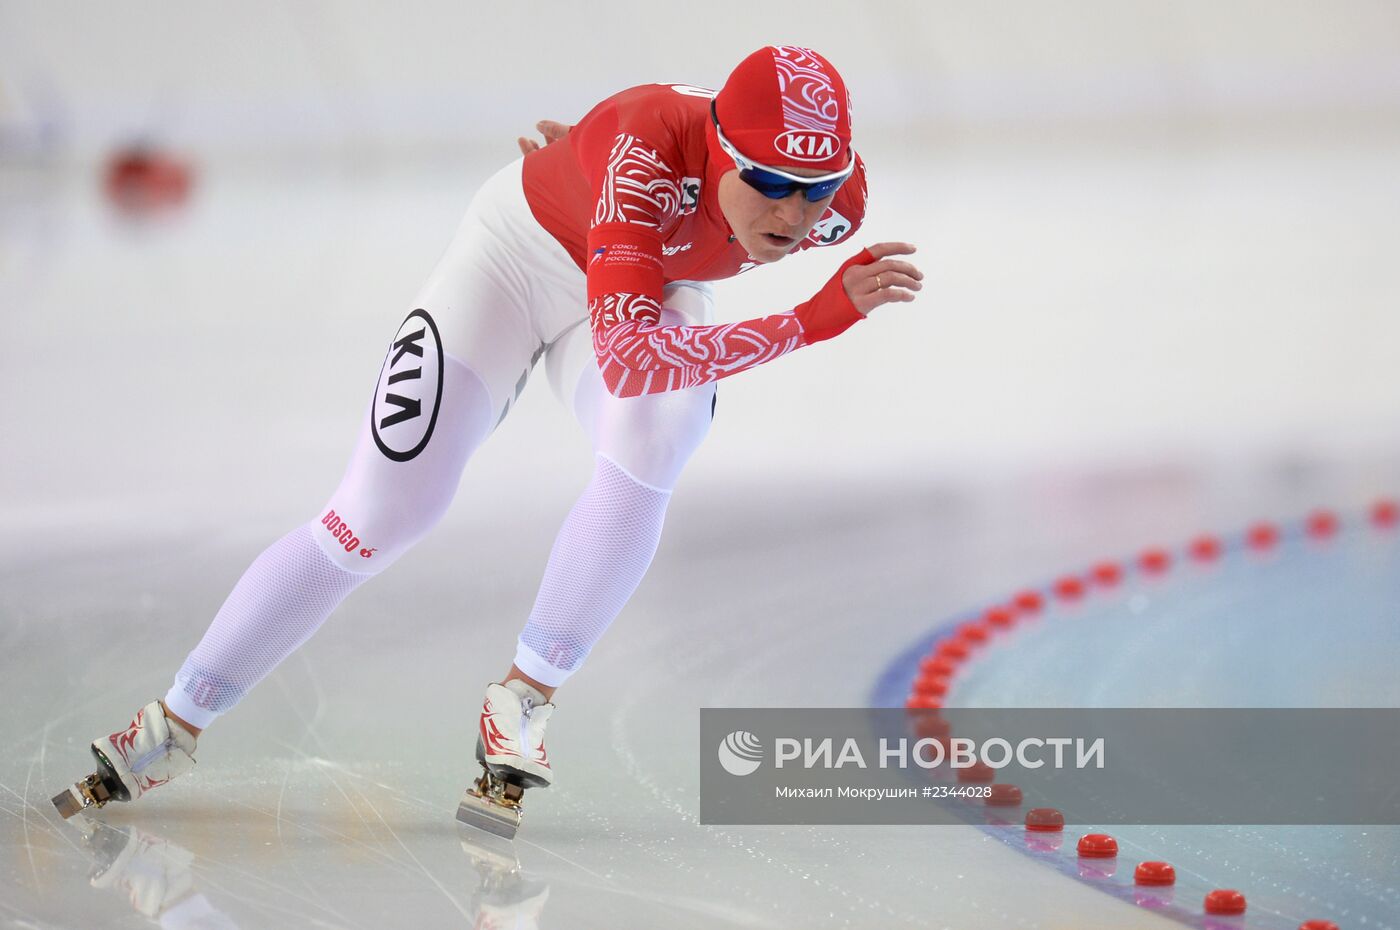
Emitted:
<point x="785" y="106"/>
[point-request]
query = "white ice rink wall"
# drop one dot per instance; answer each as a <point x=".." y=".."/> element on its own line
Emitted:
<point x="261" y="77"/>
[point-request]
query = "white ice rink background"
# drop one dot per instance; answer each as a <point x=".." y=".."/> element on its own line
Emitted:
<point x="1161" y="299"/>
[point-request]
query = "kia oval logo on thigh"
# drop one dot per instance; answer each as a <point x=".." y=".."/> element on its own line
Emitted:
<point x="409" y="391"/>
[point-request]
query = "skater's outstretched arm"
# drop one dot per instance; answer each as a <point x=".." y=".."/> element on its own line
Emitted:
<point x="638" y="201"/>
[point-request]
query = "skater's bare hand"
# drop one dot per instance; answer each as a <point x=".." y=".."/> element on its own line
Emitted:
<point x="548" y="128"/>
<point x="885" y="280"/>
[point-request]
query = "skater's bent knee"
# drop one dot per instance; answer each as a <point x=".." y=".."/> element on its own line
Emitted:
<point x="365" y="546"/>
<point x="652" y="438"/>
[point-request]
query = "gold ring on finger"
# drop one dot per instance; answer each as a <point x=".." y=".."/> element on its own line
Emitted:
<point x="878" y="285"/>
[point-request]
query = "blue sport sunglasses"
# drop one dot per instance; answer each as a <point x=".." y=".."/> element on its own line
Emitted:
<point x="775" y="184"/>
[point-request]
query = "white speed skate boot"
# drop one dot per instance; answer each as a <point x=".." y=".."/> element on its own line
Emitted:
<point x="510" y="748"/>
<point x="149" y="752"/>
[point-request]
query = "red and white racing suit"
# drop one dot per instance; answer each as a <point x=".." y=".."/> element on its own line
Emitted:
<point x="594" y="252"/>
<point x="632" y="195"/>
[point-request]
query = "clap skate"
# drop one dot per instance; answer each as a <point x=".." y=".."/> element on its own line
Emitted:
<point x="149" y="752"/>
<point x="493" y="804"/>
<point x="510" y="748"/>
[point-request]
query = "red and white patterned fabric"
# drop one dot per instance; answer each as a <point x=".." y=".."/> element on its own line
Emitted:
<point x="786" y="105"/>
<point x="631" y="195"/>
<point x="149" y="751"/>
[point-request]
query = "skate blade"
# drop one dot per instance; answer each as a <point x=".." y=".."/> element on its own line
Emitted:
<point x="90" y="792"/>
<point x="67" y="803"/>
<point x="486" y="814"/>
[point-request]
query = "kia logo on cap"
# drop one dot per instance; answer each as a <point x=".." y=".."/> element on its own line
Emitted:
<point x="409" y="391"/>
<point x="808" y="144"/>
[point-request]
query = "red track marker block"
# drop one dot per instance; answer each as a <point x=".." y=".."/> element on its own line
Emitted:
<point x="1155" y="561"/>
<point x="1069" y="588"/>
<point x="1029" y="602"/>
<point x="1154" y="873"/>
<point x="1004" y="795"/>
<point x="1322" y="524"/>
<point x="999" y="617"/>
<point x="931" y="726"/>
<point x="1262" y="536"/>
<point x="1224" y="901"/>
<point x="977" y="773"/>
<point x="931" y="686"/>
<point x="937" y="665"/>
<point x="1098" y="846"/>
<point x="973" y="633"/>
<point x="953" y="650"/>
<point x="1107" y="574"/>
<point x="1045" y="820"/>
<point x="1205" y="549"/>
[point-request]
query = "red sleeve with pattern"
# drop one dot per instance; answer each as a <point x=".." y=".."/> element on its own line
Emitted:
<point x="639" y="199"/>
